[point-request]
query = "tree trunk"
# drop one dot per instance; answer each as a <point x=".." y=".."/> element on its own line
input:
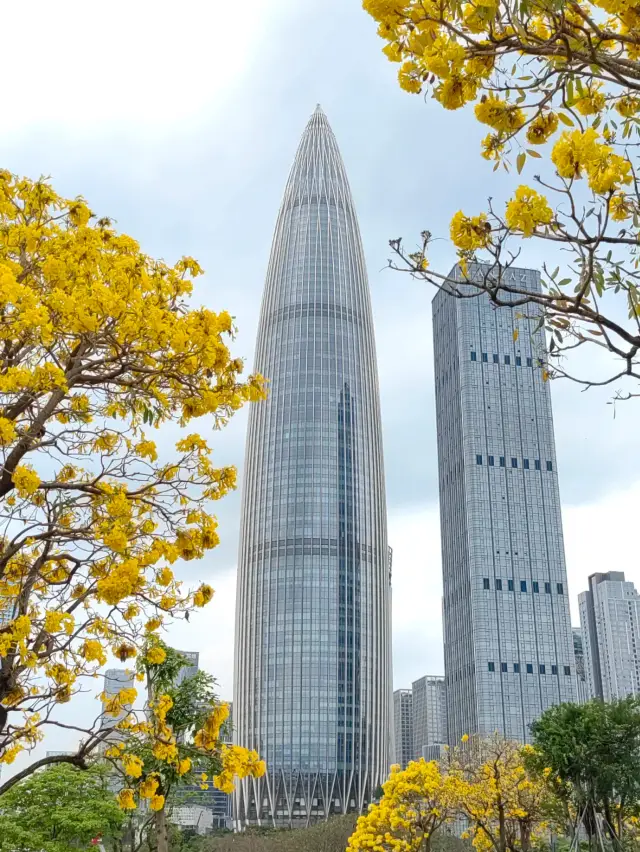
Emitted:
<point x="162" y="841"/>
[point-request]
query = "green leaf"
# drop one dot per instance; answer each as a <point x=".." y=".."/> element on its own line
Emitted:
<point x="565" y="119"/>
<point x="564" y="282"/>
<point x="533" y="153"/>
<point x="520" y="161"/>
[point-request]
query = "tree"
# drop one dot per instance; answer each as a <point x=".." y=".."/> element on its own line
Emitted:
<point x="589" y="756"/>
<point x="176" y="741"/>
<point x="541" y="71"/>
<point x="505" y="805"/>
<point x="483" y="782"/>
<point x="416" y="802"/>
<point x="58" y="808"/>
<point x="98" y="348"/>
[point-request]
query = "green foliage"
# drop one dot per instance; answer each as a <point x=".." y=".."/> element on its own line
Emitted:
<point x="330" y="836"/>
<point x="58" y="809"/>
<point x="590" y="755"/>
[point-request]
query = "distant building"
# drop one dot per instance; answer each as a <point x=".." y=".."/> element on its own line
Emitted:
<point x="6" y="611"/>
<point x="429" y="713"/>
<point x="433" y="752"/>
<point x="403" y="726"/>
<point x="115" y="680"/>
<point x="610" y="623"/>
<point x="190" y="668"/>
<point x="59" y="753"/>
<point x="581" y="681"/>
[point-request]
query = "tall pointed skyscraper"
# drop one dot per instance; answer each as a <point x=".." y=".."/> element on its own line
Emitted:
<point x="312" y="688"/>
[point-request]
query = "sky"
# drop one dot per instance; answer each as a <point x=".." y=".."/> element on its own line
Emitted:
<point x="181" y="121"/>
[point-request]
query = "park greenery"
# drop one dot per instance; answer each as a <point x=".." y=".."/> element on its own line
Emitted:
<point x="557" y="85"/>
<point x="579" y="778"/>
<point x="99" y="350"/>
<point x="59" y="809"/>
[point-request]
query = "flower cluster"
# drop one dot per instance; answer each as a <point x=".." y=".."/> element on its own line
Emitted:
<point x="100" y="348"/>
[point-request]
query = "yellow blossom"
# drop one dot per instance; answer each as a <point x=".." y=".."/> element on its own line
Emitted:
<point x="157" y="803"/>
<point x="156" y="655"/>
<point x="527" y="211"/>
<point x="470" y="232"/>
<point x="126" y="799"/>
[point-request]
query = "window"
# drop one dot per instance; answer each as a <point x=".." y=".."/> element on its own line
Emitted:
<point x="554" y="670"/>
<point x="501" y="461"/>
<point x="523" y="585"/>
<point x="485" y="583"/>
<point x="503" y="666"/>
<point x="536" y="586"/>
<point x="518" y="361"/>
<point x="473" y="356"/>
<point x="496" y="358"/>
<point x="567" y="670"/>
<point x="484" y="357"/>
<point x="490" y="461"/>
<point x="525" y="464"/>
<point x="537" y="464"/>
<point x="547" y="588"/>
<point x="529" y="668"/>
<point x="478" y="459"/>
<point x="543" y="668"/>
<point x="498" y="585"/>
<point x="529" y="362"/>
<point x="510" y="585"/>
<point x="507" y="359"/>
<point x="492" y="667"/>
<point x="549" y="465"/>
<point x="516" y="668"/>
<point x="560" y="588"/>
<point x="514" y="462"/>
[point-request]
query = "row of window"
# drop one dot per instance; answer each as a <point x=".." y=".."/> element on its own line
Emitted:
<point x="507" y="359"/>
<point x="542" y="669"/>
<point x="526" y="463"/>
<point x="523" y="586"/>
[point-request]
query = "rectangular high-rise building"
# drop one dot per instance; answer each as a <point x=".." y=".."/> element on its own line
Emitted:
<point x="610" y="623"/>
<point x="582" y="691"/>
<point x="429" y="713"/>
<point x="403" y="726"/>
<point x="508" y="642"/>
<point x="115" y="680"/>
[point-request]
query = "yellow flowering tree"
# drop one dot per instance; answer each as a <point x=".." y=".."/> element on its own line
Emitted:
<point x="556" y="83"/>
<point x="416" y="802"/>
<point x="505" y="805"/>
<point x="99" y="349"/>
<point x="177" y="739"/>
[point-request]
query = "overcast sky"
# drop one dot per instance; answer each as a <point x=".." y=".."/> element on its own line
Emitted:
<point x="181" y="121"/>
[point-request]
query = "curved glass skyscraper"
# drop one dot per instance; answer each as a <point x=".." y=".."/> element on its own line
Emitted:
<point x="312" y="686"/>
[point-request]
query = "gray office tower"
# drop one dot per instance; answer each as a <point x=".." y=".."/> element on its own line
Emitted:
<point x="508" y="643"/>
<point x="312" y="680"/>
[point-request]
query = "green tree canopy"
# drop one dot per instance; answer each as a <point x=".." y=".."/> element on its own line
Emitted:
<point x="590" y="755"/>
<point x="58" y="809"/>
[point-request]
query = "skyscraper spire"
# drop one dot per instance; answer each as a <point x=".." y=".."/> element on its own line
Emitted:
<point x="312" y="687"/>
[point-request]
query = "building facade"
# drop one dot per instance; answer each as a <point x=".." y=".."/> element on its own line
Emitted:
<point x="312" y="684"/>
<point x="429" y="713"/>
<point x="610" y="624"/>
<point x="507" y="632"/>
<point x="190" y="668"/>
<point x="403" y="726"/>
<point x="582" y="691"/>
